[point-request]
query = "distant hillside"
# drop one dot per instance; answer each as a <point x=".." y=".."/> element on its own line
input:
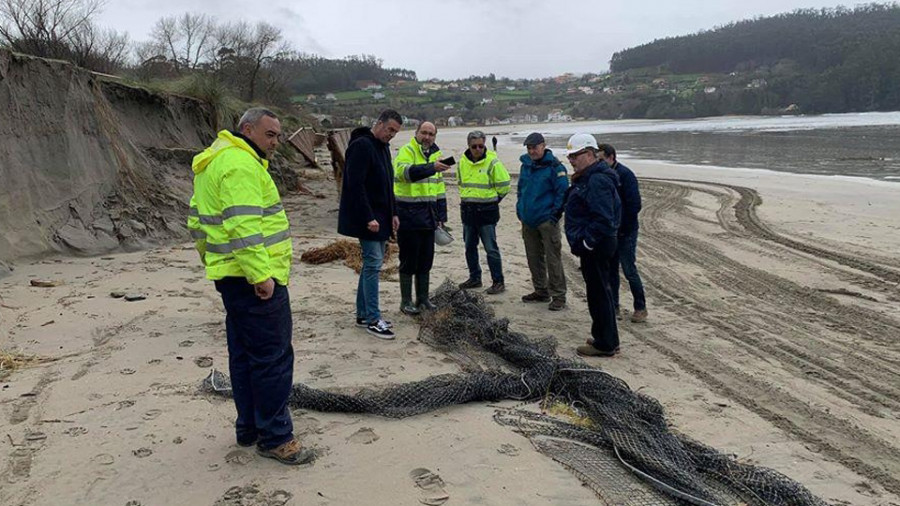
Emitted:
<point x="829" y="60"/>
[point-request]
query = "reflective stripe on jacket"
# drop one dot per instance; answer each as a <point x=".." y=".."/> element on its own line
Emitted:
<point x="418" y="189"/>
<point x="236" y="218"/>
<point x="484" y="181"/>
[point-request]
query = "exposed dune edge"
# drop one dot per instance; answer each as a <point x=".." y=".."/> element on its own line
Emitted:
<point x="90" y="164"/>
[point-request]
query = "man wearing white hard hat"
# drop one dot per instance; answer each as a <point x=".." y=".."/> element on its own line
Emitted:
<point x="593" y="214"/>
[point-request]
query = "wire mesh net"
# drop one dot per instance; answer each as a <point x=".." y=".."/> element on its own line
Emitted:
<point x="626" y="434"/>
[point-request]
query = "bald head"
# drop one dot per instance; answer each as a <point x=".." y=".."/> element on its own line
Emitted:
<point x="426" y="134"/>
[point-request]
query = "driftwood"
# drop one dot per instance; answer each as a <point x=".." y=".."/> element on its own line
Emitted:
<point x="304" y="140"/>
<point x="338" y="140"/>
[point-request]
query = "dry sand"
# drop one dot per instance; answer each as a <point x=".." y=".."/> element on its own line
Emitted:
<point x="772" y="336"/>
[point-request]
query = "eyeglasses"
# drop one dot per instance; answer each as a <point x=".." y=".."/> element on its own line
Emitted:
<point x="575" y="155"/>
<point x="476" y="146"/>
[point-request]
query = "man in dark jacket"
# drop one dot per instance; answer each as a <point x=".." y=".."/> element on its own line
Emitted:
<point x="630" y="195"/>
<point x="369" y="213"/>
<point x="541" y="194"/>
<point x="593" y="213"/>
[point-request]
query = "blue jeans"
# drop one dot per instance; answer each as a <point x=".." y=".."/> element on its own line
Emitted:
<point x="626" y="257"/>
<point x="487" y="234"/>
<point x="260" y="361"/>
<point x="367" y="289"/>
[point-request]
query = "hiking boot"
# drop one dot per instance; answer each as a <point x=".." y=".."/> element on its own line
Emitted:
<point x="290" y="453"/>
<point x="469" y="284"/>
<point x="588" y="350"/>
<point x="536" y="297"/>
<point x="557" y="304"/>
<point x="381" y="330"/>
<point x="497" y="287"/>
<point x="639" y="316"/>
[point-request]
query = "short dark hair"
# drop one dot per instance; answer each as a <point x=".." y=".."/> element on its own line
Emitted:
<point x="390" y="114"/>
<point x="608" y="150"/>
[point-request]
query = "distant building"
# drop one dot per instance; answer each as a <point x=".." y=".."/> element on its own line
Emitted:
<point x="377" y="95"/>
<point x="448" y="107"/>
<point x="330" y="96"/>
<point x="422" y="92"/>
<point x="433" y="86"/>
<point x="510" y="88"/>
<point x="757" y="83"/>
<point x="454" y="121"/>
<point x="558" y="116"/>
<point x="709" y="90"/>
<point x="367" y="85"/>
<point x="310" y="98"/>
<point x="587" y="90"/>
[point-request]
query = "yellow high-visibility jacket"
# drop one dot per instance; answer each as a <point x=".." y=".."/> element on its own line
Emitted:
<point x="484" y="181"/>
<point x="419" y="190"/>
<point x="236" y="218"/>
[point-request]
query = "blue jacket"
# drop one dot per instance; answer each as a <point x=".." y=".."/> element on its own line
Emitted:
<point x="593" y="208"/>
<point x="630" y="196"/>
<point x="542" y="189"/>
<point x="367" y="191"/>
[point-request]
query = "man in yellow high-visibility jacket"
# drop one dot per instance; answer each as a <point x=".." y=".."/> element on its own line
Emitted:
<point x="422" y="208"/>
<point x="483" y="182"/>
<point x="242" y="234"/>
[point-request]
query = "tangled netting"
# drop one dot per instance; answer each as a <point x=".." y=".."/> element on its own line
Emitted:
<point x="624" y="451"/>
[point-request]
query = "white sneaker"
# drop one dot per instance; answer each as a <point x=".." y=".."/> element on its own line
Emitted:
<point x="381" y="330"/>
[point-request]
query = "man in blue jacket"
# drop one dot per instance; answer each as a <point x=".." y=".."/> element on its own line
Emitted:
<point x="630" y="196"/>
<point x="368" y="211"/>
<point x="541" y="194"/>
<point x="593" y="213"/>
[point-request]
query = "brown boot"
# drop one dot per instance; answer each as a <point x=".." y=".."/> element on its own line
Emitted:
<point x="639" y="316"/>
<point x="290" y="453"/>
<point x="557" y="304"/>
<point x="587" y="350"/>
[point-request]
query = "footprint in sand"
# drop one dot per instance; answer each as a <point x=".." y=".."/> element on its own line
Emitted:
<point x="186" y="343"/>
<point x="104" y="459"/>
<point x="364" y="436"/>
<point x="142" y="452"/>
<point x="203" y="361"/>
<point x="75" y="431"/>
<point x="239" y="457"/>
<point x="431" y="485"/>
<point x="153" y="414"/>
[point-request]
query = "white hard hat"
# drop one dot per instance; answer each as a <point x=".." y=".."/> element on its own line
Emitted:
<point x="442" y="237"/>
<point x="579" y="142"/>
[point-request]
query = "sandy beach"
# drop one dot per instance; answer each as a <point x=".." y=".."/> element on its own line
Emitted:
<point x="774" y="313"/>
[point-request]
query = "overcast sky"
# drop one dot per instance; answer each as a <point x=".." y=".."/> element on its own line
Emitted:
<point x="455" y="38"/>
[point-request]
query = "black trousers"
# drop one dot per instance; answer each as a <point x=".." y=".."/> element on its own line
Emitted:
<point x="260" y="360"/>
<point x="416" y="251"/>
<point x="596" y="267"/>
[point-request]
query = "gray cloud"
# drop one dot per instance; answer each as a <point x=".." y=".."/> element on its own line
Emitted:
<point x="456" y="38"/>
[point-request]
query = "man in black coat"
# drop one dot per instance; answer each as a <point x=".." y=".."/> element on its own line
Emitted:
<point x="369" y="213"/>
<point x="630" y="195"/>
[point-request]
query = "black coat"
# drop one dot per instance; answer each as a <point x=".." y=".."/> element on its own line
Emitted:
<point x="367" y="192"/>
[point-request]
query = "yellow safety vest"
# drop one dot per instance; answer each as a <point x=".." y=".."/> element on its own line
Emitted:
<point x="484" y="181"/>
<point x="236" y="218"/>
<point x="430" y="189"/>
